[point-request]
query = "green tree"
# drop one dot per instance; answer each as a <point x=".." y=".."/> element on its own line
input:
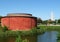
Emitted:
<point x="5" y="28"/>
<point x="45" y="21"/>
<point x="39" y="20"/>
<point x="0" y="20"/>
<point x="59" y="21"/>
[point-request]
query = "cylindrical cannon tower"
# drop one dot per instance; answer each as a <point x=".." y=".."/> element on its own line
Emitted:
<point x="19" y="21"/>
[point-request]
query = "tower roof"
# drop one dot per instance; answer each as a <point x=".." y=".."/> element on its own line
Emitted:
<point x="19" y="14"/>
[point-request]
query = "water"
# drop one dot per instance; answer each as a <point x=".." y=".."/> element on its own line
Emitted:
<point x="48" y="37"/>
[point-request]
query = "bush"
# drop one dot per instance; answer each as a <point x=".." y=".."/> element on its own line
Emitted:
<point x="5" y="28"/>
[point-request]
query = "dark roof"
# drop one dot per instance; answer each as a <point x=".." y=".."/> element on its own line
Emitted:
<point x="20" y="16"/>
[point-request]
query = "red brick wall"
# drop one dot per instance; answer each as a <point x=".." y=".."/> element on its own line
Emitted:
<point x="5" y="22"/>
<point x="19" y="23"/>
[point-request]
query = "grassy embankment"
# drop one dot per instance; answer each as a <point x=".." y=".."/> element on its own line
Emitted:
<point x="52" y="28"/>
<point x="4" y="33"/>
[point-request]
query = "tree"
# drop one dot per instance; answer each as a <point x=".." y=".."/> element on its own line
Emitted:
<point x="0" y="20"/>
<point x="56" y="21"/>
<point x="59" y="21"/>
<point x="39" y="20"/>
<point x="5" y="28"/>
<point x="45" y="21"/>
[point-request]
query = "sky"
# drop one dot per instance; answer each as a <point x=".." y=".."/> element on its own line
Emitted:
<point x="38" y="8"/>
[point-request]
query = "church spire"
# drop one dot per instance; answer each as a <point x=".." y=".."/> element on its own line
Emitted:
<point x="52" y="15"/>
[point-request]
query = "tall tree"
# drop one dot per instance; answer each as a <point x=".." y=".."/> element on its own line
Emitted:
<point x="0" y="20"/>
<point x="39" y="20"/>
<point x="59" y="21"/>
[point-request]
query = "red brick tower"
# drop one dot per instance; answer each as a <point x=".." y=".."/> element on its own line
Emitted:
<point x="19" y="21"/>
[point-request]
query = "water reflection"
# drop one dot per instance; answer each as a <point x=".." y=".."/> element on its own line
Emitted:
<point x="48" y="37"/>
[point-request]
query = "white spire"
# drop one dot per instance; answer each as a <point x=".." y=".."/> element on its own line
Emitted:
<point x="52" y="15"/>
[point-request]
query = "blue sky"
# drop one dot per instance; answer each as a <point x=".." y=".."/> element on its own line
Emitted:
<point x="38" y="8"/>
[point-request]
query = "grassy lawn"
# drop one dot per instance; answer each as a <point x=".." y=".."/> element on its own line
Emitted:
<point x="50" y="28"/>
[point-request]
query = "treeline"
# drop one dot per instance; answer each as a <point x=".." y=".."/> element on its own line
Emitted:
<point x="40" y="21"/>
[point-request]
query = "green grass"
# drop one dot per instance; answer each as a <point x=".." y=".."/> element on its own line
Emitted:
<point x="4" y="33"/>
<point x="50" y="28"/>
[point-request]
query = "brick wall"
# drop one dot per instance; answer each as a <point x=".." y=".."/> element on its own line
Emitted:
<point x="19" y="23"/>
